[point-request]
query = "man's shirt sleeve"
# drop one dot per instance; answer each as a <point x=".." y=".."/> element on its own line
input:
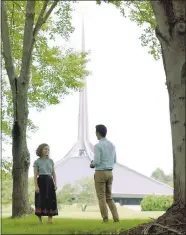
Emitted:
<point x="97" y="155"/>
<point x="115" y="157"/>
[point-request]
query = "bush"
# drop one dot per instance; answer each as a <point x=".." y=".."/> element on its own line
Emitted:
<point x="156" y="203"/>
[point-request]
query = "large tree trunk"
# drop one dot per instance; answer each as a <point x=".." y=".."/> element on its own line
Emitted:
<point x="19" y="88"/>
<point x="21" y="157"/>
<point x="171" y="30"/>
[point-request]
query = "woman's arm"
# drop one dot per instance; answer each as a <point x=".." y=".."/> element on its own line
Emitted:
<point x="54" y="176"/>
<point x="35" y="176"/>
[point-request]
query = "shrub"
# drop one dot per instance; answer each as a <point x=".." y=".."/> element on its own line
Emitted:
<point x="156" y="203"/>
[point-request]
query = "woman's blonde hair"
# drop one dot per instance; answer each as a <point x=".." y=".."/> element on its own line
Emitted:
<point x="40" y="148"/>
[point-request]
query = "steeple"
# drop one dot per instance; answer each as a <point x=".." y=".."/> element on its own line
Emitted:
<point x="83" y="112"/>
<point x="82" y="149"/>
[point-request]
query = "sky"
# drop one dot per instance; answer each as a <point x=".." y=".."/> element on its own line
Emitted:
<point x="126" y="92"/>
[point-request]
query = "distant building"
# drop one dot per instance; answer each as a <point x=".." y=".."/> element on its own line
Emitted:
<point x="129" y="186"/>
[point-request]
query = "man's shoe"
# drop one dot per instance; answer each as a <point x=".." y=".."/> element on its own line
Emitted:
<point x="116" y="221"/>
<point x="105" y="220"/>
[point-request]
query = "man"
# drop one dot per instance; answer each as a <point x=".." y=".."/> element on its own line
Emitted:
<point x="104" y="159"/>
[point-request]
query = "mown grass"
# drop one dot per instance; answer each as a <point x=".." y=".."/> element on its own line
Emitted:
<point x="93" y="212"/>
<point x="30" y="225"/>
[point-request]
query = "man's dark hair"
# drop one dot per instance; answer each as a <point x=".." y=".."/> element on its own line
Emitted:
<point x="102" y="130"/>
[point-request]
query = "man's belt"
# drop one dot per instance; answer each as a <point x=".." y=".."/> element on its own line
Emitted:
<point x="105" y="170"/>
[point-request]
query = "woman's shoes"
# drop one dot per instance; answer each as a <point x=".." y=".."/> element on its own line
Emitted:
<point x="50" y="222"/>
<point x="40" y="219"/>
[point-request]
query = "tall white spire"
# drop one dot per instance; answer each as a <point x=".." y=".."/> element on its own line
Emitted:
<point x="83" y="112"/>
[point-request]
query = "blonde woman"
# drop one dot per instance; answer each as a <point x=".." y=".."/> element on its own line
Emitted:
<point x="45" y="184"/>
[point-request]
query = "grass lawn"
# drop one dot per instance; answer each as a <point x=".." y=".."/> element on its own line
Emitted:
<point x="30" y="225"/>
<point x="72" y="220"/>
<point x="92" y="212"/>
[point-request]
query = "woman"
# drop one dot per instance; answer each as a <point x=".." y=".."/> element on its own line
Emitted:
<point x="45" y="184"/>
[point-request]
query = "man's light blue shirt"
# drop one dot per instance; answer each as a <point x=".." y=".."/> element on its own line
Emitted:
<point x="104" y="155"/>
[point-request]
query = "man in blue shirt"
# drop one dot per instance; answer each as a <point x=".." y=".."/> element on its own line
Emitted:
<point x="104" y="160"/>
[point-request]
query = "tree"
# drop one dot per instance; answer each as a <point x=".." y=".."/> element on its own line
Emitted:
<point x="67" y="195"/>
<point x="31" y="190"/>
<point x="82" y="192"/>
<point x="6" y="169"/>
<point x="170" y="179"/>
<point x="170" y="29"/>
<point x="39" y="75"/>
<point x="86" y="193"/>
<point x="7" y="191"/>
<point x="50" y="63"/>
<point x="160" y="175"/>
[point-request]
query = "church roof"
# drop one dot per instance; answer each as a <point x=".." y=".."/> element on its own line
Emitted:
<point x="126" y="181"/>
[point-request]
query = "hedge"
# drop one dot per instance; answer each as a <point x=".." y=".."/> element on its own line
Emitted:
<point x="156" y="203"/>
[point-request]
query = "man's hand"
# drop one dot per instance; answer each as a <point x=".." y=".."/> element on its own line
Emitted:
<point x="37" y="189"/>
<point x="91" y="164"/>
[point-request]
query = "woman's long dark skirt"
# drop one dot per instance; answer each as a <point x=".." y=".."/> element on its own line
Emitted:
<point x="45" y="200"/>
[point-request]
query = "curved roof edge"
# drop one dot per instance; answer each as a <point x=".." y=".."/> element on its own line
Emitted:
<point x="147" y="177"/>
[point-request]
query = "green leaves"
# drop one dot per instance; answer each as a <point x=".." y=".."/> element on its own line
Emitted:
<point x="55" y="71"/>
<point x="7" y="184"/>
<point x="62" y="24"/>
<point x="86" y="189"/>
<point x="6" y="193"/>
<point x="81" y="192"/>
<point x="156" y="202"/>
<point x="6" y="168"/>
<point x="142" y="14"/>
<point x="6" y="110"/>
<point x="55" y="77"/>
<point x="118" y="4"/>
<point x="67" y="195"/>
<point x="160" y="175"/>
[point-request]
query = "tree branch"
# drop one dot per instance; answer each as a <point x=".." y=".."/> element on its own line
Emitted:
<point x="30" y="34"/>
<point x="161" y="19"/>
<point x="7" y="52"/>
<point x="19" y="7"/>
<point x="27" y="41"/>
<point x="40" y="19"/>
<point x="50" y="10"/>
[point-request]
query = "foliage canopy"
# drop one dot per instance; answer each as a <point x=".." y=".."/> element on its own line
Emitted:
<point x="55" y="70"/>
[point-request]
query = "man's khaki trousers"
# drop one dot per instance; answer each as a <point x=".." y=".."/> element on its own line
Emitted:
<point x="103" y="185"/>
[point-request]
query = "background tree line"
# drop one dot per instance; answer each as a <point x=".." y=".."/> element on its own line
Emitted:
<point x="81" y="192"/>
<point x="159" y="174"/>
